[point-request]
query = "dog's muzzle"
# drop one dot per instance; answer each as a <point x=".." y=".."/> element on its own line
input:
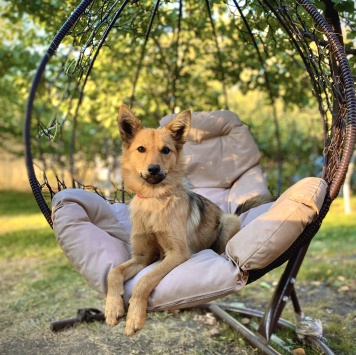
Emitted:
<point x="155" y="174"/>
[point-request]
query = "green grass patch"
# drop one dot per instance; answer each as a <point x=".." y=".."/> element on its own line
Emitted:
<point x="24" y="230"/>
<point x="332" y="253"/>
<point x="29" y="243"/>
<point x="14" y="203"/>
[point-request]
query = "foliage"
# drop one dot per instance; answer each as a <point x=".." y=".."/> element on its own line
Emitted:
<point x="300" y="129"/>
<point x="179" y="67"/>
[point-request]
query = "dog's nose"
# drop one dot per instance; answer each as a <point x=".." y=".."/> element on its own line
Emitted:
<point x="154" y="169"/>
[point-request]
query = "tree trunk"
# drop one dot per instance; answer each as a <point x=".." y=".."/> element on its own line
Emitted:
<point x="347" y="188"/>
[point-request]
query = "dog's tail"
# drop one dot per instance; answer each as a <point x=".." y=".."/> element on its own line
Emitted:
<point x="254" y="202"/>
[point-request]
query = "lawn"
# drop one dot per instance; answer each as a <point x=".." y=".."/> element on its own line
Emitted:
<point x="39" y="285"/>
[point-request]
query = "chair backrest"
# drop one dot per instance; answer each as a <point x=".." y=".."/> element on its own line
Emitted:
<point x="222" y="159"/>
<point x="219" y="149"/>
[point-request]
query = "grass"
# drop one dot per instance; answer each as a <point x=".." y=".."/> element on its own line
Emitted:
<point x="39" y="285"/>
<point x="333" y="254"/>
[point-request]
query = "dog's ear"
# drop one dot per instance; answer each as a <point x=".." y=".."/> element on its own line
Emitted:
<point x="129" y="125"/>
<point x="179" y="127"/>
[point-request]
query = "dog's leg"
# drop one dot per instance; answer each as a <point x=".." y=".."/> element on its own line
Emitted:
<point x="115" y="306"/>
<point x="142" y="255"/>
<point x="136" y="315"/>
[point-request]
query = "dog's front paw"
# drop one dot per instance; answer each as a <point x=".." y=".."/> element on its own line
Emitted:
<point x="114" y="310"/>
<point x="136" y="318"/>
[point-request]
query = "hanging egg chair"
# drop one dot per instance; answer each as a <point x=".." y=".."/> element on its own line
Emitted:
<point x="162" y="57"/>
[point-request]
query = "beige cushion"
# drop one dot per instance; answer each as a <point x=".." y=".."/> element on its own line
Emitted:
<point x="206" y="276"/>
<point x="214" y="135"/>
<point x="268" y="236"/>
<point x="93" y="234"/>
<point x="230" y="181"/>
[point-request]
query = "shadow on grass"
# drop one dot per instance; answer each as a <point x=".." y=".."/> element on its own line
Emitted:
<point x="17" y="202"/>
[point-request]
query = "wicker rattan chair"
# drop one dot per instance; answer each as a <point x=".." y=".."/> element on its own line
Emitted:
<point x="66" y="78"/>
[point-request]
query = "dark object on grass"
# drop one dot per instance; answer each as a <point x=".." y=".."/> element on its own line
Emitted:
<point x="83" y="315"/>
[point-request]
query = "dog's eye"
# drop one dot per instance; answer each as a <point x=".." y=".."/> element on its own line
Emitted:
<point x="141" y="149"/>
<point x="165" y="150"/>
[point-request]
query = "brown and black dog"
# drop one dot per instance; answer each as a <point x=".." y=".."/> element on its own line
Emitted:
<point x="169" y="221"/>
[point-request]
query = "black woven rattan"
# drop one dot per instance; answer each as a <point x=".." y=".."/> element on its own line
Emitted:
<point x="119" y="31"/>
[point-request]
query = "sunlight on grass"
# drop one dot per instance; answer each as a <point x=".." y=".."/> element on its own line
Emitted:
<point x="332" y="253"/>
<point x="36" y="243"/>
<point x="20" y="222"/>
<point x="24" y="231"/>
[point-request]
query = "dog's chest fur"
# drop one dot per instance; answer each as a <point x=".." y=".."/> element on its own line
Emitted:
<point x="149" y="214"/>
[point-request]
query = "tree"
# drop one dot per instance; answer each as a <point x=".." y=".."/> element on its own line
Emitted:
<point x="170" y="71"/>
<point x="347" y="184"/>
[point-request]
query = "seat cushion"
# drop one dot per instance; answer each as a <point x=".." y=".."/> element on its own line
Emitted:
<point x="94" y="234"/>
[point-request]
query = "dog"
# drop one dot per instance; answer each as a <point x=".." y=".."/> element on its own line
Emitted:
<point x="169" y="221"/>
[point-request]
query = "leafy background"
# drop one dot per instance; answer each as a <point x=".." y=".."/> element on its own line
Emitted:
<point x="273" y="96"/>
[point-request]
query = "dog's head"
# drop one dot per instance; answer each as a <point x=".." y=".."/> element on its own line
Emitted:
<point x="152" y="154"/>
